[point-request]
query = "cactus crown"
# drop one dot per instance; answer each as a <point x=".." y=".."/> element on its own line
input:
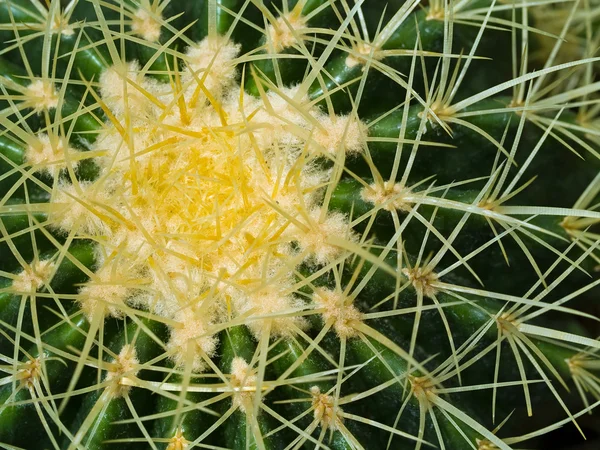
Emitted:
<point x="298" y="224"/>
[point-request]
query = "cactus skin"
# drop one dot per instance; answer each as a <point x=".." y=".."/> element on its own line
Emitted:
<point x="297" y="223"/>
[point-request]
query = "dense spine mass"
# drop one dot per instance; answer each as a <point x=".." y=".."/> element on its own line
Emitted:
<point x="285" y="224"/>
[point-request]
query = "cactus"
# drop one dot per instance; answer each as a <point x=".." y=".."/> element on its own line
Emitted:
<point x="285" y="224"/>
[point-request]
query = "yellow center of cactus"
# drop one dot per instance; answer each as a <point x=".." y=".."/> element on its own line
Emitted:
<point x="207" y="199"/>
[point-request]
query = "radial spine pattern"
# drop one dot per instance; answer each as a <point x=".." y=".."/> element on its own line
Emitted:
<point x="298" y="224"/>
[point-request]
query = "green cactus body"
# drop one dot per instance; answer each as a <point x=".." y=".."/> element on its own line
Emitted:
<point x="298" y="224"/>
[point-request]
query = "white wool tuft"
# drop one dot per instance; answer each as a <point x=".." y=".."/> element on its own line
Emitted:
<point x="41" y="96"/>
<point x="361" y="51"/>
<point x="422" y="280"/>
<point x="146" y="25"/>
<point x="191" y="339"/>
<point x="325" y="412"/>
<point x="282" y="34"/>
<point x="105" y="293"/>
<point x="34" y="276"/>
<point x="273" y="307"/>
<point x="125" y="364"/>
<point x="242" y="377"/>
<point x="211" y="62"/>
<point x="124" y="89"/>
<point x="391" y="197"/>
<point x="343" y="132"/>
<point x="78" y="209"/>
<point x="49" y="154"/>
<point x="339" y="310"/>
<point x="314" y="240"/>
